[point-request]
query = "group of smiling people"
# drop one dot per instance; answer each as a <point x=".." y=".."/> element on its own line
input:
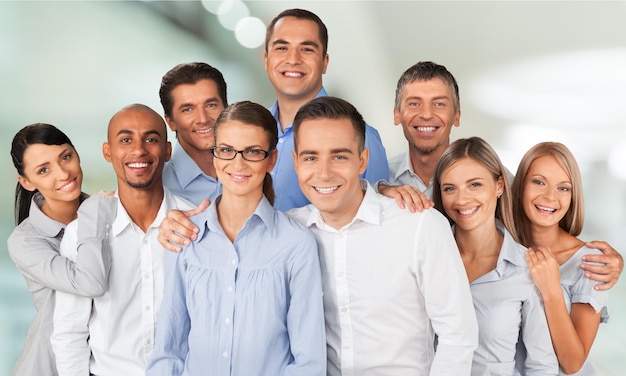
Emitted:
<point x="256" y="281"/>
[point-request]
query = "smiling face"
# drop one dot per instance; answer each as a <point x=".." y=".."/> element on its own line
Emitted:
<point x="469" y="194"/>
<point x="194" y="111"/>
<point x="53" y="170"/>
<point x="547" y="192"/>
<point x="328" y="164"/>
<point x="295" y="60"/>
<point x="137" y="147"/>
<point x="427" y="113"/>
<point x="238" y="176"/>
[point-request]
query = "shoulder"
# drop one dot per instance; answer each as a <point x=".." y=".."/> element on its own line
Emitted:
<point x="176" y="202"/>
<point x="300" y="215"/>
<point x="390" y="209"/>
<point x="371" y="134"/>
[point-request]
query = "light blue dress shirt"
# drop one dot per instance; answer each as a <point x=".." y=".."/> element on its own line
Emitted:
<point x="183" y="178"/>
<point x="288" y="192"/>
<point x="508" y="307"/>
<point x="252" y="307"/>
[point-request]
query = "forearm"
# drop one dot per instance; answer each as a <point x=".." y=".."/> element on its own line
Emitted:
<point x="568" y="347"/>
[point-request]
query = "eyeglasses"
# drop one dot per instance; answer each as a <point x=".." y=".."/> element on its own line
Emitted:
<point x="251" y="155"/>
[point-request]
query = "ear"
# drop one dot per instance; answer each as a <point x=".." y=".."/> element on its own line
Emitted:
<point x="325" y="63"/>
<point x="294" y="155"/>
<point x="25" y="183"/>
<point x="272" y="160"/>
<point x="168" y="151"/>
<point x="265" y="60"/>
<point x="106" y="151"/>
<point x="170" y="123"/>
<point x="457" y="118"/>
<point x="363" y="160"/>
<point x="396" y="116"/>
<point x="500" y="186"/>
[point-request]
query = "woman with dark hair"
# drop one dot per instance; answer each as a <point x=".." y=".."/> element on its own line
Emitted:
<point x="245" y="298"/>
<point x="47" y="198"/>
<point x="471" y="189"/>
<point x="549" y="214"/>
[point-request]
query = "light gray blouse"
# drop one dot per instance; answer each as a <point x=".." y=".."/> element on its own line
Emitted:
<point x="34" y="248"/>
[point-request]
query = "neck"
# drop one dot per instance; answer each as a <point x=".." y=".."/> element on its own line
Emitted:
<point x="233" y="211"/>
<point x="344" y="216"/>
<point x="424" y="164"/>
<point x="481" y="241"/>
<point x="203" y="158"/>
<point x="288" y="107"/>
<point x="142" y="205"/>
<point x="61" y="211"/>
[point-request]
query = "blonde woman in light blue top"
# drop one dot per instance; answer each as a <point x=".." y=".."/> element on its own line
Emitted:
<point x="472" y="190"/>
<point x="549" y="210"/>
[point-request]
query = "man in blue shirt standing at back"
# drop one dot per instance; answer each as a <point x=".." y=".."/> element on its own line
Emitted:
<point x="193" y="95"/>
<point x="295" y="59"/>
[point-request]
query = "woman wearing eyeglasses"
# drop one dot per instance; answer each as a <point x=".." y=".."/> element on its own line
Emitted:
<point x="245" y="298"/>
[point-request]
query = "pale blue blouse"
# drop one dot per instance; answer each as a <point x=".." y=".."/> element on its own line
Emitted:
<point x="508" y="307"/>
<point x="252" y="307"/>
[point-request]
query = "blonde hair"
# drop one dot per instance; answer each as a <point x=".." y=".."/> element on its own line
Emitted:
<point x="479" y="150"/>
<point x="572" y="221"/>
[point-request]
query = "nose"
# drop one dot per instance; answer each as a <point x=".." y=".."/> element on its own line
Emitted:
<point x="203" y="116"/>
<point x="293" y="56"/>
<point x="63" y="173"/>
<point x="425" y="112"/>
<point x="324" y="170"/>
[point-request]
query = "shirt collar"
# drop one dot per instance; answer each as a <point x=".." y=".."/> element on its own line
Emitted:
<point x="405" y="167"/>
<point x="122" y="219"/>
<point x="511" y="251"/>
<point x="369" y="211"/>
<point x="274" y="110"/>
<point x="186" y="168"/>
<point x="44" y="225"/>
<point x="209" y="220"/>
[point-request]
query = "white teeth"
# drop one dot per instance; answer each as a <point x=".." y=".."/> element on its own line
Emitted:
<point x="204" y="131"/>
<point x="138" y="165"/>
<point x="68" y="186"/>
<point x="326" y="190"/>
<point x="293" y="74"/>
<point x="467" y="212"/>
<point x="546" y="209"/>
<point x="426" y="129"/>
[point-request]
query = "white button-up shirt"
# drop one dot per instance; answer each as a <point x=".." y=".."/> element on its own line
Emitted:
<point x="114" y="334"/>
<point x="392" y="281"/>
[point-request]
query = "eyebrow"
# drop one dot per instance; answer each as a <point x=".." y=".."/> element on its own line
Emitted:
<point x="131" y="132"/>
<point x="332" y="151"/>
<point x="303" y="43"/>
<point x="208" y="100"/>
<point x="439" y="97"/>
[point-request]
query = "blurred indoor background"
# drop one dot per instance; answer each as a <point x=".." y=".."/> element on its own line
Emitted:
<point x="528" y="72"/>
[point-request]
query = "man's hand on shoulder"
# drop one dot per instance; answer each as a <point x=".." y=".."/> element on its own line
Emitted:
<point x="612" y="264"/>
<point x="177" y="230"/>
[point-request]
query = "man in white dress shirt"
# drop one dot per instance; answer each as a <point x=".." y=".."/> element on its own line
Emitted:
<point x="114" y="334"/>
<point x="393" y="280"/>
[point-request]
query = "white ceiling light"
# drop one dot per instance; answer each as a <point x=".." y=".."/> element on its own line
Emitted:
<point x="250" y="32"/>
<point x="230" y="12"/>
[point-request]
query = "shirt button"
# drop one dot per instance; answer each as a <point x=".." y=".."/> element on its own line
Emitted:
<point x="145" y="242"/>
<point x="225" y="354"/>
<point x="227" y="321"/>
<point x="147" y="308"/>
<point x="281" y="140"/>
<point x="344" y="309"/>
<point x="147" y="275"/>
<point x="339" y="274"/>
<point x="347" y="347"/>
<point x="149" y="341"/>
<point x="234" y="262"/>
<point x="230" y="289"/>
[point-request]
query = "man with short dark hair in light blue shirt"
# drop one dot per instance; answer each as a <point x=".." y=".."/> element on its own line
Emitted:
<point x="295" y="59"/>
<point x="193" y="95"/>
